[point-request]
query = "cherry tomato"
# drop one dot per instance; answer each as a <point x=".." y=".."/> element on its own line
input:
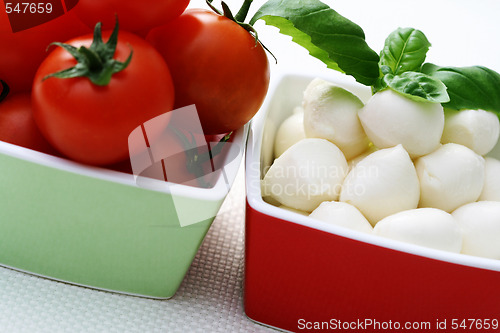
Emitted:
<point x="216" y="65"/>
<point x="135" y="16"/>
<point x="22" y="52"/>
<point x="17" y="125"/>
<point x="91" y="123"/>
<point x="174" y="167"/>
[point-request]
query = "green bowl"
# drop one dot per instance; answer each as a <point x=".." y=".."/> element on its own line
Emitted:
<point x="98" y="228"/>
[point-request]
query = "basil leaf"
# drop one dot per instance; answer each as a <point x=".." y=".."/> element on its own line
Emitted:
<point x="418" y="86"/>
<point x="327" y="35"/>
<point x="405" y="50"/>
<point x="380" y="84"/>
<point x="473" y="88"/>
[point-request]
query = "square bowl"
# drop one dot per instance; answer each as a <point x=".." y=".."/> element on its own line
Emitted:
<point x="100" y="228"/>
<point x="303" y="274"/>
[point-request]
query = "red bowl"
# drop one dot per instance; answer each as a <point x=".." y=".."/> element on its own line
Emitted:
<point x="302" y="274"/>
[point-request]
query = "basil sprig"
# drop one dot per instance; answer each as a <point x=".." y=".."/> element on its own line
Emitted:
<point x="404" y="51"/>
<point x="327" y="35"/>
<point x="418" y="86"/>
<point x="341" y="45"/>
<point x="473" y="88"/>
<point x="401" y="59"/>
<point x="458" y="88"/>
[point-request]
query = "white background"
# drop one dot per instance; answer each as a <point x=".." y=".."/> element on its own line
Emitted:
<point x="462" y="32"/>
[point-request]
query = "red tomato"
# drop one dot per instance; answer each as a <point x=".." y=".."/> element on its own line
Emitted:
<point x="135" y="16"/>
<point x="174" y="167"/>
<point x="17" y="125"/>
<point x="90" y="123"/>
<point x="22" y="52"/>
<point x="216" y="65"/>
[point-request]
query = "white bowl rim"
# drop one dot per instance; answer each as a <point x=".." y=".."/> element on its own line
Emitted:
<point x="217" y="192"/>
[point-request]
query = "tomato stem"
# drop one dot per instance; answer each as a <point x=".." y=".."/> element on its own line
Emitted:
<point x="227" y="12"/>
<point x="243" y="12"/>
<point x="93" y="59"/>
<point x="212" y="7"/>
<point x="240" y="18"/>
<point x="5" y="90"/>
<point x="195" y="159"/>
<point x="95" y="62"/>
<point x="217" y="149"/>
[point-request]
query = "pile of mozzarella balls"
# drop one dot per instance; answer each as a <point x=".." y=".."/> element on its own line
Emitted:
<point x="396" y="167"/>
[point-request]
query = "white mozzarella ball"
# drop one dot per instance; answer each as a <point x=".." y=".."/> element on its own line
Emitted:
<point x="290" y="132"/>
<point x="331" y="113"/>
<point x="450" y="177"/>
<point x="427" y="227"/>
<point x="293" y="210"/>
<point x="389" y="119"/>
<point x="342" y="214"/>
<point x="383" y="183"/>
<point x="475" y="129"/>
<point x="480" y="223"/>
<point x="306" y="174"/>
<point x="353" y="162"/>
<point x="491" y="188"/>
<point x="267" y="198"/>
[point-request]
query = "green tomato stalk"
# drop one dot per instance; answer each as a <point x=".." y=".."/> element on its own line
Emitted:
<point x="239" y="18"/>
<point x="195" y="159"/>
<point x="95" y="62"/>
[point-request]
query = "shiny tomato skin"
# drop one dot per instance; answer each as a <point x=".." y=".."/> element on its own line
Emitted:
<point x="216" y="65"/>
<point x="17" y="125"/>
<point x="22" y="52"/>
<point x="134" y="16"/>
<point x="90" y="123"/>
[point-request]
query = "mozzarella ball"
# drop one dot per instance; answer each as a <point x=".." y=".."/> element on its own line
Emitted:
<point x="342" y="214"/>
<point x="480" y="223"/>
<point x="306" y="174"/>
<point x="331" y="113"/>
<point x="290" y="132"/>
<point x="475" y="129"/>
<point x="427" y="227"/>
<point x="267" y="198"/>
<point x="389" y="119"/>
<point x="294" y="210"/>
<point x="268" y="137"/>
<point x="491" y="187"/>
<point x="352" y="162"/>
<point x="450" y="177"/>
<point x="383" y="183"/>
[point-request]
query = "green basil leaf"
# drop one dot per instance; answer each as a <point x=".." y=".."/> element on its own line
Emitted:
<point x="380" y="84"/>
<point x="418" y="86"/>
<point x="405" y="50"/>
<point x="327" y="35"/>
<point x="474" y="87"/>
